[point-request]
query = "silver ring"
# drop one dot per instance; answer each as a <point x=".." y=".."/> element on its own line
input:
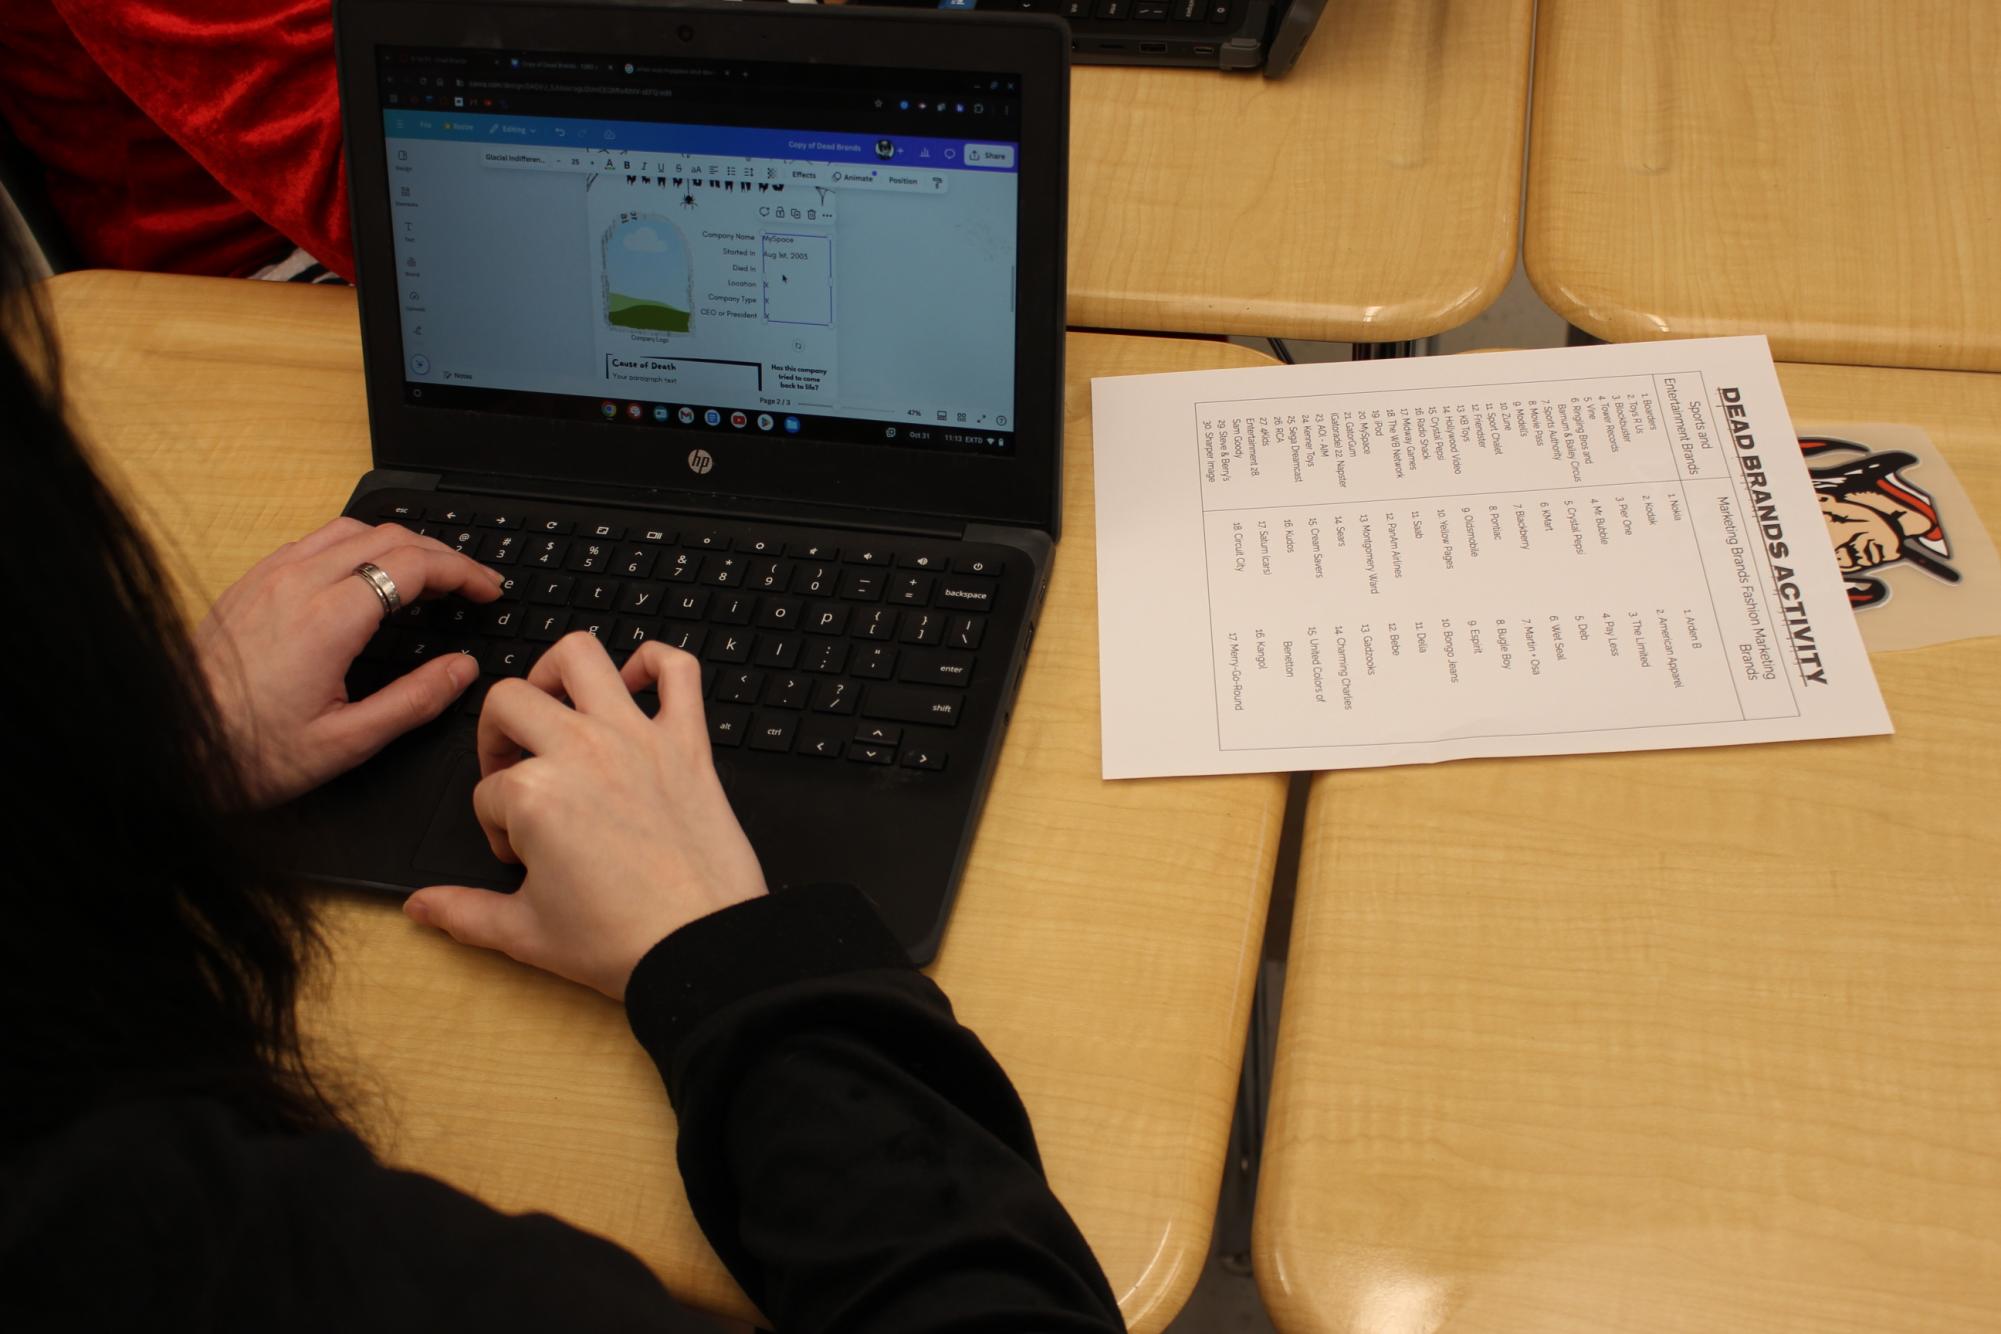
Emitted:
<point x="384" y="586"/>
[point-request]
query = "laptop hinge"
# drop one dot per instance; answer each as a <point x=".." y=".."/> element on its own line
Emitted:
<point x="752" y="508"/>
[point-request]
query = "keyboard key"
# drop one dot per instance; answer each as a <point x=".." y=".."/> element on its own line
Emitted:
<point x="597" y="594"/>
<point x="687" y="604"/>
<point x="411" y="648"/>
<point x="923" y="757"/>
<point x="875" y="662"/>
<point x="912" y="590"/>
<point x="868" y="754"/>
<point x="1110" y="9"/>
<point x="875" y="623"/>
<point x="788" y="691"/>
<point x="773" y="732"/>
<point x="937" y="667"/>
<point x="399" y="513"/>
<point x="1219" y="11"/>
<point x="723" y="571"/>
<point x="814" y="551"/>
<point x="507" y="659"/>
<point x="548" y="626"/>
<point x="777" y="650"/>
<point x="547" y="552"/>
<point x="591" y="557"/>
<point x="636" y="562"/>
<point x="727" y="724"/>
<point x="679" y="566"/>
<point x="824" y="737"/>
<point x="923" y="627"/>
<point x="1150" y="9"/>
<point x="881" y="734"/>
<point x="456" y="617"/>
<point x="780" y="613"/>
<point x="827" y="618"/>
<point x="462" y="540"/>
<point x="643" y="599"/>
<point x="610" y="532"/>
<point x="729" y="646"/>
<point x="815" y="579"/>
<point x="922" y="560"/>
<point x="861" y="586"/>
<point x="965" y="631"/>
<point x="511" y="520"/>
<point x="452" y="515"/>
<point x="869" y="555"/>
<point x="552" y="589"/>
<point x="914" y="704"/>
<point x="967" y="593"/>
<point x="632" y="632"/>
<point x="1188" y="11"/>
<point x="732" y="608"/>
<point x="705" y="539"/>
<point x="825" y="656"/>
<point x="687" y="638"/>
<point x="473" y="698"/>
<point x="987" y="565"/>
<point x="769" y="576"/>
<point x="501" y="548"/>
<point x="657" y="536"/>
<point x="598" y="627"/>
<point x="738" y="685"/>
<point x="760" y="546"/>
<point x="834" y="697"/>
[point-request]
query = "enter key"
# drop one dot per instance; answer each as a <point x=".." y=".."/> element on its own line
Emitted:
<point x="936" y="667"/>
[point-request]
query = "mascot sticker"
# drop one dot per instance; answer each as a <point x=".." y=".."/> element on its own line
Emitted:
<point x="1919" y="566"/>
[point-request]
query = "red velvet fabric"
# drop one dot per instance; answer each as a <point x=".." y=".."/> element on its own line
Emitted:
<point x="191" y="137"/>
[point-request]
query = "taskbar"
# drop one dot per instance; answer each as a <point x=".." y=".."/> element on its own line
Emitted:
<point x="966" y="431"/>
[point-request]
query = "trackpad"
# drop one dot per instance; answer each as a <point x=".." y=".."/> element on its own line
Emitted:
<point x="454" y="849"/>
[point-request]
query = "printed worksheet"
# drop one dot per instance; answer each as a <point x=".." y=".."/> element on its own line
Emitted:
<point x="1521" y="553"/>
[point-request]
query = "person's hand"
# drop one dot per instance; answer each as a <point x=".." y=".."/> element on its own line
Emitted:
<point x="277" y="645"/>
<point x="619" y="818"/>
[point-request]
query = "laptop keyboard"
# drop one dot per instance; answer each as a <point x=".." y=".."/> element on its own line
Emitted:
<point x="813" y="643"/>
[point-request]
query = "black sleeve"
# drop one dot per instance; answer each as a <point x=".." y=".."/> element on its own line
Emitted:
<point x="169" y="1214"/>
<point x="855" y="1156"/>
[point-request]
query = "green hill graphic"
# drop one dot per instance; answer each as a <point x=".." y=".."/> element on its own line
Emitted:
<point x="632" y="312"/>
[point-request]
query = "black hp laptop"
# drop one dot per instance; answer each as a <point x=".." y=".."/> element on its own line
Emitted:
<point x="735" y="328"/>
<point x="1263" y="35"/>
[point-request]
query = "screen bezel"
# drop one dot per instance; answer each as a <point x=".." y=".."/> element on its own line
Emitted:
<point x="1022" y="487"/>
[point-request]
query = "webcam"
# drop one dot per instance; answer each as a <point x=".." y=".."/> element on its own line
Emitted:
<point x="685" y="33"/>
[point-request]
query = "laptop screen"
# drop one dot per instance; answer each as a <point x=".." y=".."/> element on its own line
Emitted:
<point x="754" y="249"/>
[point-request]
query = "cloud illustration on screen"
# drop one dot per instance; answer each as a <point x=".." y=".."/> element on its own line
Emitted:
<point x="648" y="276"/>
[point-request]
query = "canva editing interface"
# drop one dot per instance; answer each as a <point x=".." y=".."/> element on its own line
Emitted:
<point x="764" y="249"/>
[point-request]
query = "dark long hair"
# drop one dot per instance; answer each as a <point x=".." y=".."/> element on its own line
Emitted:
<point x="142" y="951"/>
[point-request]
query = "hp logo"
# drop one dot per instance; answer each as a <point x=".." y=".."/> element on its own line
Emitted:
<point x="700" y="461"/>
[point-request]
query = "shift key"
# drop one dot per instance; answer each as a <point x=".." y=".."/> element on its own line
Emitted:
<point x="912" y="704"/>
